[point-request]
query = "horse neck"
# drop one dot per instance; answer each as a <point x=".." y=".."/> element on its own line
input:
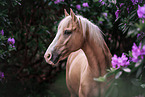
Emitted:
<point x="99" y="58"/>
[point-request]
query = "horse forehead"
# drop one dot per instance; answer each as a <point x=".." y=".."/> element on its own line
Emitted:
<point x="54" y="42"/>
<point x="58" y="34"/>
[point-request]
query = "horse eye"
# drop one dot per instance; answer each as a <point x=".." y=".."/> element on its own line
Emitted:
<point x="67" y="32"/>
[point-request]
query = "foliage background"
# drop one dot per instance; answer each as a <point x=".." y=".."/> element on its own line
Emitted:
<point x="33" y="24"/>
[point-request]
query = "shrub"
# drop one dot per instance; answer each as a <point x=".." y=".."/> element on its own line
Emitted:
<point x="128" y="70"/>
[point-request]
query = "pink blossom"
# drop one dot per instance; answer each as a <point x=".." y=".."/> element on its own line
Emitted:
<point x="11" y="41"/>
<point x="85" y="5"/>
<point x="117" y="13"/>
<point x="2" y="32"/>
<point x="78" y="7"/>
<point x="141" y="11"/>
<point x="118" y="62"/>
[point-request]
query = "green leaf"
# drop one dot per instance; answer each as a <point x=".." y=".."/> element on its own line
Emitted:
<point x="118" y="75"/>
<point x="100" y="79"/>
<point x="130" y="53"/>
<point x="142" y="85"/>
<point x="136" y="82"/>
<point x="126" y="69"/>
<point x="132" y="15"/>
<point x="138" y="63"/>
<point x="139" y="71"/>
<point x="111" y="70"/>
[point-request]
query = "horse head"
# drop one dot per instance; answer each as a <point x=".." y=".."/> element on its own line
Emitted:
<point x="69" y="38"/>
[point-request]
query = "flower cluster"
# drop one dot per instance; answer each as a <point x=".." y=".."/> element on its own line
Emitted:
<point x="102" y="2"/>
<point x="137" y="52"/>
<point x="78" y="6"/>
<point x="58" y="1"/>
<point x="118" y="11"/>
<point x="85" y="5"/>
<point x="140" y="36"/>
<point x="141" y="11"/>
<point x="11" y="42"/>
<point x="118" y="62"/>
<point x="136" y="1"/>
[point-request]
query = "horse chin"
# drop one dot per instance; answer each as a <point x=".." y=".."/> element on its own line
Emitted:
<point x="55" y="63"/>
<point x="50" y="62"/>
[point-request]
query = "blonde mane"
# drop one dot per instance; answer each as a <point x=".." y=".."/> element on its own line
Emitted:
<point x="94" y="32"/>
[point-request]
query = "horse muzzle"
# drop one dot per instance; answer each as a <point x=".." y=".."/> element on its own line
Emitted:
<point x="51" y="58"/>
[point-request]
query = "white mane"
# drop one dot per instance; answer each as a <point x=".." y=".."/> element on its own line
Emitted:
<point x="94" y="32"/>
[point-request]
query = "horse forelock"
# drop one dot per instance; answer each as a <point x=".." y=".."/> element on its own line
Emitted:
<point x="94" y="32"/>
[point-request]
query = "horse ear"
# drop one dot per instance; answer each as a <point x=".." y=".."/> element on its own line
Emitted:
<point x="74" y="18"/>
<point x="65" y="12"/>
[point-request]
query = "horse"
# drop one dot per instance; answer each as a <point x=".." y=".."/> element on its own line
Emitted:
<point x="83" y="44"/>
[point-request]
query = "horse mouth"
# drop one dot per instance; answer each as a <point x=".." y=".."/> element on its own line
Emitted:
<point x="55" y="59"/>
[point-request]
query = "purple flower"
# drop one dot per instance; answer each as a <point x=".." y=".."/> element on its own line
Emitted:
<point x="140" y="1"/>
<point x="102" y="2"/>
<point x="100" y="22"/>
<point x="143" y="51"/>
<point x="1" y="75"/>
<point x="85" y="5"/>
<point x="125" y="60"/>
<point x="121" y="4"/>
<point x="136" y="51"/>
<point x="58" y="1"/>
<point x="141" y="11"/>
<point x="118" y="62"/>
<point x="143" y="21"/>
<point x="134" y="1"/>
<point x="117" y="13"/>
<point x="2" y="32"/>
<point x="105" y="14"/>
<point x="128" y="9"/>
<point x="138" y="35"/>
<point x="11" y="41"/>
<point x="78" y="7"/>
<point x="115" y="62"/>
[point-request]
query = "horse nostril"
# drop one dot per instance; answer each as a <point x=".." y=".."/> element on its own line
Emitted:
<point x="48" y="56"/>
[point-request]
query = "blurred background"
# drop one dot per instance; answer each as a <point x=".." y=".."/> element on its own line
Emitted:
<point x="29" y="26"/>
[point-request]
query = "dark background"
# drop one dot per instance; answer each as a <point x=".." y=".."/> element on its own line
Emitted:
<point x="33" y="24"/>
